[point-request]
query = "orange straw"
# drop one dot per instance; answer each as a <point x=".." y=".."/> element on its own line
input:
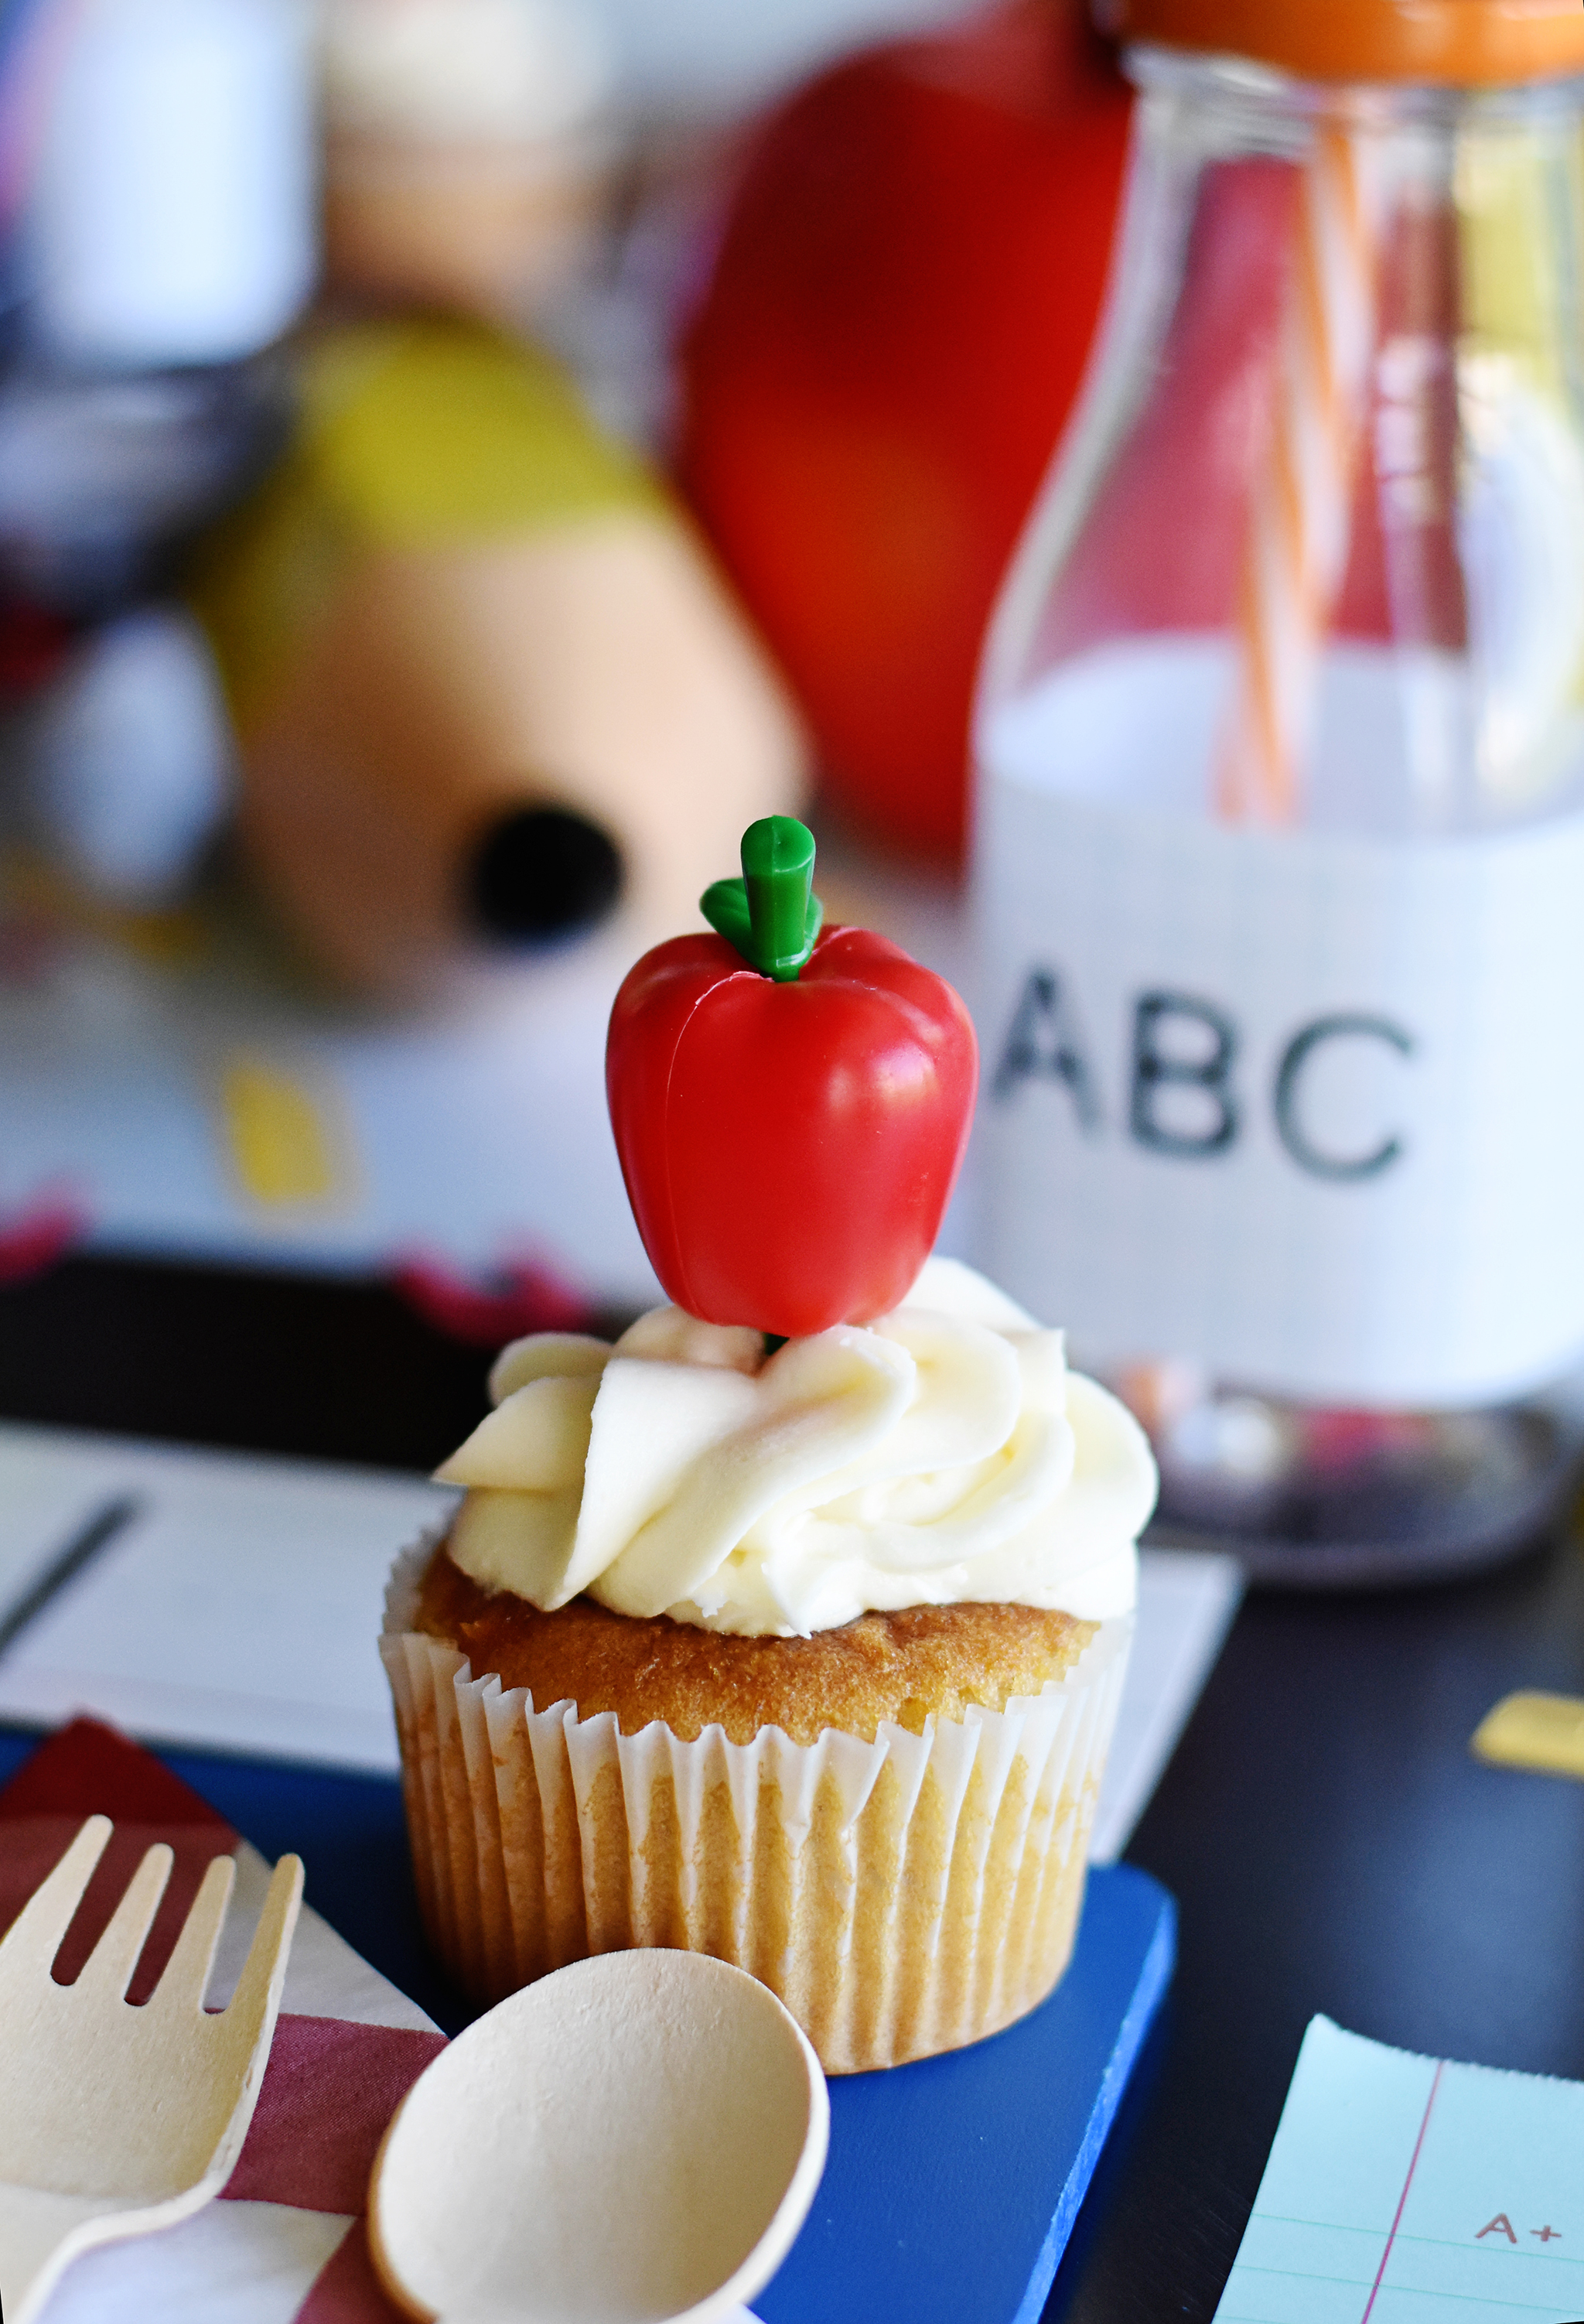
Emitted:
<point x="1297" y="541"/>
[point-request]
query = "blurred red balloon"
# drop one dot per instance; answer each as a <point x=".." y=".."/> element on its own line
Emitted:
<point x="890" y="345"/>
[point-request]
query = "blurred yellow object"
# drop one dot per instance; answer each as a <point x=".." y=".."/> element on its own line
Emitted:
<point x="1516" y="380"/>
<point x="425" y="434"/>
<point x="1514" y="304"/>
<point x="489" y="693"/>
<point x="174" y="937"/>
<point x="282" y="1148"/>
<point x="1544" y="1731"/>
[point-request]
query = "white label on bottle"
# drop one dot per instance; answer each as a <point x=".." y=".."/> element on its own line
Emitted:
<point x="1307" y="1109"/>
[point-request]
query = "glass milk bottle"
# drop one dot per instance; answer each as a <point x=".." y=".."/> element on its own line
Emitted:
<point x="1279" y="853"/>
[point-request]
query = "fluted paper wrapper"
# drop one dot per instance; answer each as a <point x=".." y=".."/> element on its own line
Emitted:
<point x="902" y="1896"/>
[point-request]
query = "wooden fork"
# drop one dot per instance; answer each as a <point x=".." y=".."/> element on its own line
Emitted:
<point x="116" y="2120"/>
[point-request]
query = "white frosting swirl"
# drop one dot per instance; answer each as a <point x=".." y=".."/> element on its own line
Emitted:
<point x="942" y="1455"/>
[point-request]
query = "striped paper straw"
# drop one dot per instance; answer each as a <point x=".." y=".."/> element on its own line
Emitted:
<point x="1297" y="541"/>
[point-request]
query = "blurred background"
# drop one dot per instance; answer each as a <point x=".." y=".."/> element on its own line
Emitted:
<point x="461" y="461"/>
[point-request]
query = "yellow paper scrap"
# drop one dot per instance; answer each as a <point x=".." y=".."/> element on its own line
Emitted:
<point x="1534" y="1730"/>
<point x="282" y="1146"/>
<point x="170" y="936"/>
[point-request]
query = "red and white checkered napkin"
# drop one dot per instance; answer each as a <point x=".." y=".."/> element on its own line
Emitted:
<point x="285" y="2244"/>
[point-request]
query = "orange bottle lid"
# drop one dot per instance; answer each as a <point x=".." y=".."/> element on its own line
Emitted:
<point x="1470" y="43"/>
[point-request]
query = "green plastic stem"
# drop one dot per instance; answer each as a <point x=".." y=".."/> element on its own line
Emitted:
<point x="770" y="914"/>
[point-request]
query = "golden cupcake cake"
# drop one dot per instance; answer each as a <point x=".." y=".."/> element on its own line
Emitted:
<point x="791" y="1627"/>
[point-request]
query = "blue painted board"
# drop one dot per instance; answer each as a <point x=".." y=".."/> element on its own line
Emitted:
<point x="953" y="2183"/>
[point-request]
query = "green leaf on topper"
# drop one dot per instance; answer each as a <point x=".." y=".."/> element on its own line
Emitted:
<point x="771" y="915"/>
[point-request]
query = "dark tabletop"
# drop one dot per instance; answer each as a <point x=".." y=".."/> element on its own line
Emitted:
<point x="1332" y="1844"/>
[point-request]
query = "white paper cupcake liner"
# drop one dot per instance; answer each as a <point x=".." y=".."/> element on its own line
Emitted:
<point x="902" y="1896"/>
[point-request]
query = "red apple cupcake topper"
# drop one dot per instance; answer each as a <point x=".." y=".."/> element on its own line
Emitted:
<point x="790" y="1106"/>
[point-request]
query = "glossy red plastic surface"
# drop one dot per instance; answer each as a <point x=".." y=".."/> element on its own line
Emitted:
<point x="789" y="1150"/>
<point x="885" y="356"/>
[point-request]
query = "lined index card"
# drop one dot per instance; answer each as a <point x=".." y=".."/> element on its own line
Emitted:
<point x="1403" y="2190"/>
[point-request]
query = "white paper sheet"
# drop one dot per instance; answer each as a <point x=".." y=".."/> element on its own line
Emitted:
<point x="47" y="1502"/>
<point x="238" y="1608"/>
<point x="1186" y="1602"/>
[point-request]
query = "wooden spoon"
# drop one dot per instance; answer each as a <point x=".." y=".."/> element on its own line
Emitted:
<point x="635" y="2138"/>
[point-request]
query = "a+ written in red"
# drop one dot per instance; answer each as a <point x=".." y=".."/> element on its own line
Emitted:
<point x="1502" y="2226"/>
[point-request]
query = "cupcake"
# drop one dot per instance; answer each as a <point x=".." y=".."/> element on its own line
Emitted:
<point x="791" y="1627"/>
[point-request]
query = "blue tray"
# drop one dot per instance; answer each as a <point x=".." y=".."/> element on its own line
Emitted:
<point x="953" y="2184"/>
